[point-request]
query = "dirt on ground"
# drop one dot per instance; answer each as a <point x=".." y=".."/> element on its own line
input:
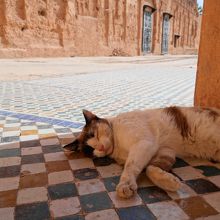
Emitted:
<point x="37" y="68"/>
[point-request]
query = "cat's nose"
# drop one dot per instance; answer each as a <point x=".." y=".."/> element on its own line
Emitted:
<point x="101" y="147"/>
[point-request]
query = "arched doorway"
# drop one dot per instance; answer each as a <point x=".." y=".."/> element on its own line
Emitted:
<point x="165" y="34"/>
<point x="147" y="30"/>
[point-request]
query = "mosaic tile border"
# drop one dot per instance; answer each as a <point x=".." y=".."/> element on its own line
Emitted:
<point x="35" y="118"/>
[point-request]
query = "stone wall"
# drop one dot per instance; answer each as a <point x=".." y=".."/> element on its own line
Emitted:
<point x="208" y="73"/>
<point x="92" y="27"/>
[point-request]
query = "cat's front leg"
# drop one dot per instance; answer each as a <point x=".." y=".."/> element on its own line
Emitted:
<point x="139" y="156"/>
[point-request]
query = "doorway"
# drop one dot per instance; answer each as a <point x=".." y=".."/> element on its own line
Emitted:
<point x="147" y="30"/>
<point x="165" y="34"/>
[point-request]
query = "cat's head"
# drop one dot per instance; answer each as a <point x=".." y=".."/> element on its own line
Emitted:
<point x="97" y="133"/>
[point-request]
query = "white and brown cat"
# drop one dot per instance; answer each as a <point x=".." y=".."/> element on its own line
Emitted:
<point x="152" y="139"/>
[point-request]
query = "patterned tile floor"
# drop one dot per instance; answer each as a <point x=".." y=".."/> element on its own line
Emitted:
<point x="137" y="86"/>
<point x="38" y="180"/>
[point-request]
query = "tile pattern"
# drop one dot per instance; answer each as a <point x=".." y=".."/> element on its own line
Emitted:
<point x="105" y="93"/>
<point x="38" y="180"/>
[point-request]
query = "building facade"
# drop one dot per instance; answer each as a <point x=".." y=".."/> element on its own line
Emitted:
<point x="97" y="27"/>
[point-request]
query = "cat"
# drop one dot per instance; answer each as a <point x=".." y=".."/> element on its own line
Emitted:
<point x="152" y="139"/>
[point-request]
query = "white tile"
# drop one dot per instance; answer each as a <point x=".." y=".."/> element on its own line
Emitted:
<point x="66" y="135"/>
<point x="197" y="162"/>
<point x="60" y="177"/>
<point x="46" y="131"/>
<point x="188" y="173"/>
<point x="12" y="125"/>
<point x="31" y="150"/>
<point x="30" y="195"/>
<point x="103" y="215"/>
<point x="122" y="203"/>
<point x="65" y="207"/>
<point x="33" y="168"/>
<point x="167" y="210"/>
<point x="12" y="145"/>
<point x="215" y="180"/>
<point x="184" y="192"/>
<point x="11" y="133"/>
<point x="49" y="141"/>
<point x="28" y="128"/>
<point x="29" y="137"/>
<point x="55" y="156"/>
<point x="214" y="200"/>
<point x="90" y="186"/>
<point x="7" y="213"/>
<point x="9" y="183"/>
<point x="111" y="170"/>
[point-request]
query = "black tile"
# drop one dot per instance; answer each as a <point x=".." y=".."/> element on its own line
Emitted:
<point x="32" y="143"/>
<point x="111" y="183"/>
<point x="64" y="190"/>
<point x="10" y="171"/>
<point x="34" y="158"/>
<point x="71" y="217"/>
<point x="85" y="174"/>
<point x="135" y="213"/>
<point x="209" y="170"/>
<point x="180" y="163"/>
<point x="95" y="202"/>
<point x="202" y="186"/>
<point x="51" y="148"/>
<point x="153" y="194"/>
<point x="16" y="152"/>
<point x="35" y="211"/>
<point x="103" y="161"/>
<point x="10" y="139"/>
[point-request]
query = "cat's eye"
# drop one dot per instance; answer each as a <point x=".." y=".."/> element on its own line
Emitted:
<point x="91" y="135"/>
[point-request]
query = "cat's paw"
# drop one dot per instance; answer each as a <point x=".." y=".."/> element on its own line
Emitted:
<point x="126" y="189"/>
<point x="163" y="179"/>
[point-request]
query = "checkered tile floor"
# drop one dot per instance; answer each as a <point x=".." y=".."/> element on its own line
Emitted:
<point x="38" y="180"/>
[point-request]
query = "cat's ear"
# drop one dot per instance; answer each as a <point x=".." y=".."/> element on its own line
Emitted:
<point x="89" y="116"/>
<point x="72" y="146"/>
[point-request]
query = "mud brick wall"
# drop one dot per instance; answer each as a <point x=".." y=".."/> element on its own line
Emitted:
<point x="92" y="27"/>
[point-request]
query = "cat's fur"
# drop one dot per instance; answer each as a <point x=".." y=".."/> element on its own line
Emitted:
<point x="152" y="139"/>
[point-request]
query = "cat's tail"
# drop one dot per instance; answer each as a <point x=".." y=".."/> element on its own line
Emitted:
<point x="163" y="179"/>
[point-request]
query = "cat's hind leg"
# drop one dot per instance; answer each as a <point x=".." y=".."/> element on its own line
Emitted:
<point x="157" y="170"/>
<point x="163" y="179"/>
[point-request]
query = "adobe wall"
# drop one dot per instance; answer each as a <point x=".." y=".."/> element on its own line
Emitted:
<point x="90" y="27"/>
<point x="184" y="22"/>
<point x="207" y="92"/>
